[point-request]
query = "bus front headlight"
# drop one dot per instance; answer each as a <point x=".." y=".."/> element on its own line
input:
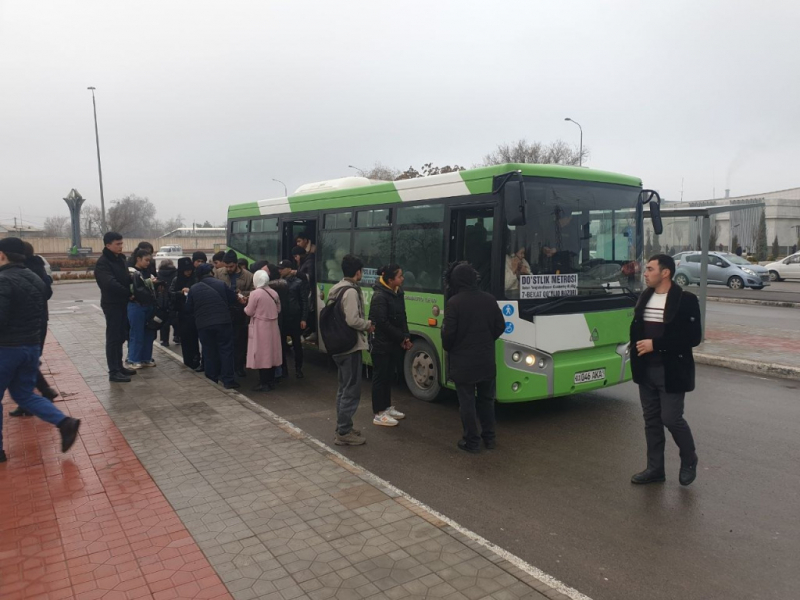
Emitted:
<point x="530" y="360"/>
<point x="516" y="357"/>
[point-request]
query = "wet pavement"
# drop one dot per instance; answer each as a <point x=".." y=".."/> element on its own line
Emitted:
<point x="556" y="491"/>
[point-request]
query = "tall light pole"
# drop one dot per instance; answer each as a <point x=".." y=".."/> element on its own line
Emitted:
<point x="285" y="190"/>
<point x="360" y="171"/>
<point x="580" y="157"/>
<point x="99" y="167"/>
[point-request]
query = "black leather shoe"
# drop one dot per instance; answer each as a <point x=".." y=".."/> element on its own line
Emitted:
<point x="463" y="445"/>
<point x="165" y="343"/>
<point x="118" y="378"/>
<point x="688" y="473"/>
<point x="3" y="457"/>
<point x="490" y="444"/>
<point x="20" y="412"/>
<point x="69" y="432"/>
<point x="233" y="386"/>
<point x="648" y="476"/>
<point x="241" y="373"/>
<point x="199" y="369"/>
<point x="128" y="372"/>
<point x="267" y="387"/>
<point x="49" y="393"/>
<point x="299" y="374"/>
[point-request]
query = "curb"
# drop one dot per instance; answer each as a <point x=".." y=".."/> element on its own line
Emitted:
<point x="68" y="281"/>
<point x="748" y="366"/>
<point x="780" y="303"/>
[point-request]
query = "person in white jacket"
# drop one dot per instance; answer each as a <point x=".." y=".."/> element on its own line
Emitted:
<point x="349" y="363"/>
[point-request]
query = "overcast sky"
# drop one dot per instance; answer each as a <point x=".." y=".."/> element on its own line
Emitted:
<point x="201" y="104"/>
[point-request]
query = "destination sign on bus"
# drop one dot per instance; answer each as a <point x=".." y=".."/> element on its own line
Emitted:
<point x="533" y="287"/>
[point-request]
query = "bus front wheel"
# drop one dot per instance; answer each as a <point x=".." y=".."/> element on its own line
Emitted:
<point x="421" y="369"/>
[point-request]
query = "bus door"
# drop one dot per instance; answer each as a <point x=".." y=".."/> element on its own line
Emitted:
<point x="471" y="236"/>
<point x="306" y="228"/>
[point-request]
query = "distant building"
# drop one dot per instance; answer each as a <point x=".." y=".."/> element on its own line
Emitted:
<point x="22" y="231"/>
<point x="196" y="232"/>
<point x="783" y="219"/>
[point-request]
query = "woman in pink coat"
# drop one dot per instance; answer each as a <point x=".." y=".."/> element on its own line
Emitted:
<point x="264" y="343"/>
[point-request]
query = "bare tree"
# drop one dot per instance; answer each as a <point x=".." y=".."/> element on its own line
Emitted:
<point x="167" y="226"/>
<point x="522" y="151"/>
<point x="56" y="226"/>
<point x="427" y="170"/>
<point x="91" y="221"/>
<point x="380" y="172"/>
<point x="132" y="216"/>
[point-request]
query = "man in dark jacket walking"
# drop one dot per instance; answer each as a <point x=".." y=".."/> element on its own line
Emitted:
<point x="22" y="302"/>
<point x="665" y="328"/>
<point x="296" y="317"/>
<point x="209" y="301"/>
<point x="472" y="323"/>
<point x="114" y="280"/>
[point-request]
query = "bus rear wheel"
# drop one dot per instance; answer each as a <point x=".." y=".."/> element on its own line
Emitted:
<point x="421" y="370"/>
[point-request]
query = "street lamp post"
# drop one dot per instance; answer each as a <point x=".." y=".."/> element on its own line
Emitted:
<point x="285" y="189"/>
<point x="360" y="171"/>
<point x="99" y="167"/>
<point x="580" y="156"/>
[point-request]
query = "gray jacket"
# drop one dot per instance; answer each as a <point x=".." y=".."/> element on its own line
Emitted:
<point x="353" y="306"/>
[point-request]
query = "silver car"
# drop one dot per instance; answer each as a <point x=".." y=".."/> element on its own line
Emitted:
<point x="723" y="269"/>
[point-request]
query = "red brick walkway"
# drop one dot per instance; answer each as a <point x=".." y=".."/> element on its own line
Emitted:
<point x="90" y="523"/>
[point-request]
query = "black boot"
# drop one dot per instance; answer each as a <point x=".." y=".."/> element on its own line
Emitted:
<point x="688" y="473"/>
<point x="49" y="393"/>
<point x="649" y="476"/>
<point x="118" y="378"/>
<point x="69" y="432"/>
<point x="128" y="372"/>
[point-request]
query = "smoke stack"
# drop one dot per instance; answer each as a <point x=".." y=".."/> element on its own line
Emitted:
<point x="727" y="193"/>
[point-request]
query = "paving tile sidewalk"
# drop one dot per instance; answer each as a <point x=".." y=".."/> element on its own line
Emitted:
<point x="769" y="351"/>
<point x="277" y="515"/>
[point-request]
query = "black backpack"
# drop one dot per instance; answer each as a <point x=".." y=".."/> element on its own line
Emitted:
<point x="337" y="335"/>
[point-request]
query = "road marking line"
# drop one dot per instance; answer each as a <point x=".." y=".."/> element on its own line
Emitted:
<point x="549" y="580"/>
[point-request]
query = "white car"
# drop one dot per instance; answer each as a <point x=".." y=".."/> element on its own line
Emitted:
<point x="788" y="268"/>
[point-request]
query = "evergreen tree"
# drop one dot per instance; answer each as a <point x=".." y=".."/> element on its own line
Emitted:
<point x="761" y="240"/>
<point x="775" y="248"/>
<point x="734" y="243"/>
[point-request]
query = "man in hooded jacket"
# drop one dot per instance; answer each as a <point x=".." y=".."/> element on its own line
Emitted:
<point x="472" y="323"/>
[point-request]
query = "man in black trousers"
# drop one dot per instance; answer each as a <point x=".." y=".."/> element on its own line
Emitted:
<point x="114" y="281"/>
<point x="472" y="323"/>
<point x="665" y="328"/>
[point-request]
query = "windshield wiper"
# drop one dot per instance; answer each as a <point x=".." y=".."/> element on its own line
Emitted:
<point x="625" y="290"/>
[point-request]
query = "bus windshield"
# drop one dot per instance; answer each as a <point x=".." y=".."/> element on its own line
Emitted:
<point x="579" y="240"/>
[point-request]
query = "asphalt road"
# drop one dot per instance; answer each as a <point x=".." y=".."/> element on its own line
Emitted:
<point x="556" y="490"/>
<point x="760" y="318"/>
<point x="781" y="291"/>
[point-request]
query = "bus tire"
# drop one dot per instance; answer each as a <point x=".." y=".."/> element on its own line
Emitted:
<point x="421" y="371"/>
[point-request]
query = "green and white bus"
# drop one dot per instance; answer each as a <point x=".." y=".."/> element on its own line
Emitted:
<point x="559" y="247"/>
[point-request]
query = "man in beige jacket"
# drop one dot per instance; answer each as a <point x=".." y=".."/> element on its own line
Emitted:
<point x="349" y="363"/>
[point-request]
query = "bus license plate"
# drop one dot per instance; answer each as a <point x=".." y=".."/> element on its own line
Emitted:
<point x="587" y="376"/>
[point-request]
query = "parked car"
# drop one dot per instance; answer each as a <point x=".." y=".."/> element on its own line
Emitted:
<point x="788" y="268"/>
<point x="723" y="269"/>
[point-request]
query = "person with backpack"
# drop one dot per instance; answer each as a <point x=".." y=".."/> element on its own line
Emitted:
<point x="209" y="302"/>
<point x="140" y="310"/>
<point x="472" y="322"/>
<point x="391" y="339"/>
<point x="344" y="328"/>
<point x="264" y="351"/>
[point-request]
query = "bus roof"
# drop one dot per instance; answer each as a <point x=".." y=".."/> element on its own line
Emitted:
<point x="361" y="192"/>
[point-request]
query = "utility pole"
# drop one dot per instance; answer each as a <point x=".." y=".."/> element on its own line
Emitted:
<point x="99" y="167"/>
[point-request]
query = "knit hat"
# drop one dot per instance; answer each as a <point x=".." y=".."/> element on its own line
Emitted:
<point x="199" y="256"/>
<point x="230" y="257"/>
<point x="203" y="270"/>
<point x="12" y="245"/>
<point x="286" y="264"/>
<point x="298" y="251"/>
<point x="185" y="264"/>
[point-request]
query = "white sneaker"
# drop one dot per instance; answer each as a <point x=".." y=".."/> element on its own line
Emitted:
<point x="149" y="363"/>
<point x="394" y="413"/>
<point x="137" y="366"/>
<point x="384" y="420"/>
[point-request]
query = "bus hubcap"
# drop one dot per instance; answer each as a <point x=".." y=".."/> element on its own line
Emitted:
<point x="422" y="369"/>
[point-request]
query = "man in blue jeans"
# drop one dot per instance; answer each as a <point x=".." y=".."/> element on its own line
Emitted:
<point x="22" y="298"/>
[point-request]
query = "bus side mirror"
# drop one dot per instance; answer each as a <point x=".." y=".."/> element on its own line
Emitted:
<point x="514" y="202"/>
<point x="652" y="198"/>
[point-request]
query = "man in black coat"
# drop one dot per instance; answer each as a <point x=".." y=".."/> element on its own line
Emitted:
<point x="114" y="280"/>
<point x="472" y="323"/>
<point x="22" y="309"/>
<point x="296" y="312"/>
<point x="210" y="301"/>
<point x="178" y="290"/>
<point x="665" y="328"/>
